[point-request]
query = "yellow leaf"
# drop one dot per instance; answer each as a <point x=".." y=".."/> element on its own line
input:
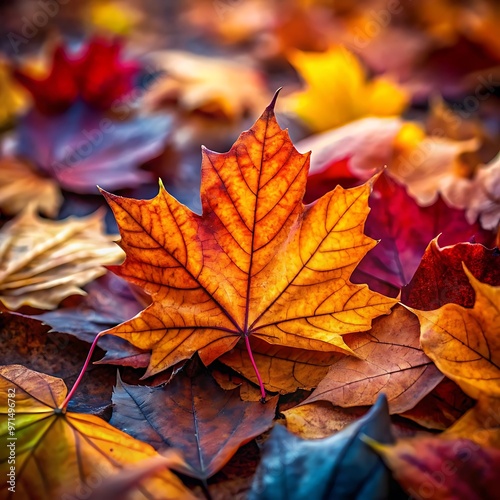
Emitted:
<point x="13" y="98"/>
<point x="465" y="343"/>
<point x="56" y="453"/>
<point x="42" y="262"/>
<point x="338" y="90"/>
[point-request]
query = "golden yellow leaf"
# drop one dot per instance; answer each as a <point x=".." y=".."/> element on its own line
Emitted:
<point x="13" y="98"/>
<point x="20" y="185"/>
<point x="42" y="262"/>
<point x="113" y="17"/>
<point x="56" y="453"/>
<point x="339" y="92"/>
<point x="465" y="343"/>
<point x="256" y="264"/>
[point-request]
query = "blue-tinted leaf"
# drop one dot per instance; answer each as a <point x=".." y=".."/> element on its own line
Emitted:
<point x="339" y="467"/>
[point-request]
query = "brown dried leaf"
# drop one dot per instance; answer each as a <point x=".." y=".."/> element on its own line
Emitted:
<point x="388" y="360"/>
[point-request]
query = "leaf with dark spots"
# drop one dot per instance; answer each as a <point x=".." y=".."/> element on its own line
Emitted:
<point x="191" y="413"/>
<point x="341" y="466"/>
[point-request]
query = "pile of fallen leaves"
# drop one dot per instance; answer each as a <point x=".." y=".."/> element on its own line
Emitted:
<point x="319" y="324"/>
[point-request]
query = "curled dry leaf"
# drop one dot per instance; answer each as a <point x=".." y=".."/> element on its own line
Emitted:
<point x="388" y="360"/>
<point x="256" y="264"/>
<point x="339" y="92"/>
<point x="193" y="414"/>
<point x="59" y="452"/>
<point x="465" y="343"/>
<point x="42" y="262"/>
<point x="428" y="166"/>
<point x="21" y="185"/>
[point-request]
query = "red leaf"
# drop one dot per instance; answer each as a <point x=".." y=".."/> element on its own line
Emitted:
<point x="404" y="228"/>
<point x="96" y="75"/>
<point x="440" y="279"/>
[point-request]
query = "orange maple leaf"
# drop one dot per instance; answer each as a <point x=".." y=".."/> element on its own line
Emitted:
<point x="257" y="262"/>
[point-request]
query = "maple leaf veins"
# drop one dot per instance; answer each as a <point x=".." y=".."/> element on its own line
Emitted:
<point x="256" y="263"/>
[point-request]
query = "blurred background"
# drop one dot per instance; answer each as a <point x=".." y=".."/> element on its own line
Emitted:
<point x="427" y="71"/>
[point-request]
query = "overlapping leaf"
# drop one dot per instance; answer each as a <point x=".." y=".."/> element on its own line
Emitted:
<point x="465" y="343"/>
<point x="404" y="228"/>
<point x="341" y="466"/>
<point x="283" y="369"/>
<point x="256" y="263"/>
<point x="193" y="414"/>
<point x="440" y="278"/>
<point x="42" y="261"/>
<point x="57" y="452"/>
<point x="388" y="359"/>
